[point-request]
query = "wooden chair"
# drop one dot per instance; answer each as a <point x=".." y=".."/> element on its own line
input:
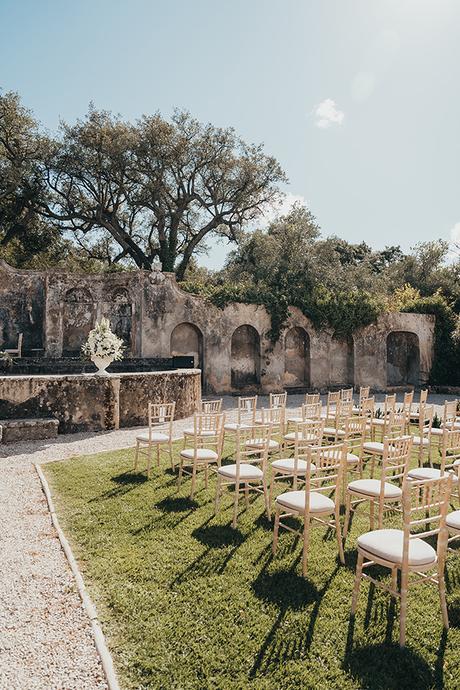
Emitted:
<point x="244" y="475"/>
<point x="246" y="415"/>
<point x="333" y="398"/>
<point x="211" y="406"/>
<point x="16" y="351"/>
<point x="407" y="409"/>
<point x="278" y="400"/>
<point x="422" y="440"/>
<point x="159" y="415"/>
<point x="308" y="412"/>
<point x="273" y="417"/>
<point x="382" y="423"/>
<point x="384" y="492"/>
<point x="450" y="460"/>
<point x="308" y="433"/>
<point x="364" y="392"/>
<point x="346" y="394"/>
<point x="312" y="398"/>
<point x="314" y="504"/>
<point x="205" y="450"/>
<point x="448" y="421"/>
<point x="334" y="428"/>
<point x="425" y="505"/>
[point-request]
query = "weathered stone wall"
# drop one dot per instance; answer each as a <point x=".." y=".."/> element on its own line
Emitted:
<point x="85" y="402"/>
<point x="231" y="346"/>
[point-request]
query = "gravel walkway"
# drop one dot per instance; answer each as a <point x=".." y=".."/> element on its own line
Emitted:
<point x="45" y="635"/>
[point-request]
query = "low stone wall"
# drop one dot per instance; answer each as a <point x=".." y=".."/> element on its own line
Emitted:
<point x="85" y="402"/>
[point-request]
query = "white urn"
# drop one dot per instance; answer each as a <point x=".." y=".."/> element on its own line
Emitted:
<point x="101" y="364"/>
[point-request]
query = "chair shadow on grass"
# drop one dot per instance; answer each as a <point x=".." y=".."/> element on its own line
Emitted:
<point x="174" y="510"/>
<point x="125" y="482"/>
<point x="289" y="592"/>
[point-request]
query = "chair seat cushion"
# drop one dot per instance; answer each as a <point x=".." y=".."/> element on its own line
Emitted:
<point x="417" y="441"/>
<point x="373" y="447"/>
<point x="388" y="544"/>
<point x="259" y="442"/>
<point x="234" y="426"/>
<point x="453" y="521"/>
<point x="203" y="433"/>
<point x="298" y="420"/>
<point x="434" y="431"/>
<point x="155" y="438"/>
<point x="247" y="471"/>
<point x="371" y="487"/>
<point x="287" y="465"/>
<point x="330" y="431"/>
<point x="295" y="500"/>
<point x="378" y="421"/>
<point x="199" y="453"/>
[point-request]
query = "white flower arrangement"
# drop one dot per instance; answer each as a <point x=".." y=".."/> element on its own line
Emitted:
<point x="102" y="342"/>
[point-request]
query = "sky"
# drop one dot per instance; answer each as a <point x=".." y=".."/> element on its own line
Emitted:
<point x="359" y="100"/>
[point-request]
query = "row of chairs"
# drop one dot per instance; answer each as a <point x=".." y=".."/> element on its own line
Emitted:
<point x="323" y="470"/>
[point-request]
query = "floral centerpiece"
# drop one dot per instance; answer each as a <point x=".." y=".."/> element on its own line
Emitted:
<point x="103" y="347"/>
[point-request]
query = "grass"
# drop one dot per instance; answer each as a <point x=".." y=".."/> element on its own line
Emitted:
<point x="186" y="602"/>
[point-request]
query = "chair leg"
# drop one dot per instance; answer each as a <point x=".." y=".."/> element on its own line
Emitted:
<point x="338" y="534"/>
<point x="149" y="460"/>
<point x="171" y="455"/>
<point x="306" y="542"/>
<point x="442" y="597"/>
<point x="272" y="482"/>
<point x="403" y="610"/>
<point x="235" y="505"/>
<point x="136" y="456"/>
<point x="358" y="575"/>
<point x="276" y="529"/>
<point x="158" y="455"/>
<point x="394" y="581"/>
<point x="206" y="475"/>
<point x="192" y="490"/>
<point x="179" y="476"/>
<point x="346" y="526"/>
<point x="266" y="499"/>
<point x="217" y="501"/>
<point x="246" y="494"/>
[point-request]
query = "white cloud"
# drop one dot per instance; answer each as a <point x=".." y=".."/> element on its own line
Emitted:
<point x="328" y="114"/>
<point x="282" y="208"/>
<point x="362" y="86"/>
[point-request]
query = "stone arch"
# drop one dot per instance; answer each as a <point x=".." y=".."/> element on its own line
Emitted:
<point x="187" y="341"/>
<point x="245" y="357"/>
<point x="120" y="314"/>
<point x="403" y="359"/>
<point x="78" y="317"/>
<point x="342" y="360"/>
<point x="297" y="358"/>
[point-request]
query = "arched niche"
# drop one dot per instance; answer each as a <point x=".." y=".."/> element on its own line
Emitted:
<point x="403" y="359"/>
<point x="342" y="361"/>
<point x="187" y="340"/>
<point x="119" y="310"/>
<point x="245" y="357"/>
<point x="296" y="358"/>
<point x="78" y="317"/>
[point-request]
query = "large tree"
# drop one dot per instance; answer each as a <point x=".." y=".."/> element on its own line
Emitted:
<point x="155" y="191"/>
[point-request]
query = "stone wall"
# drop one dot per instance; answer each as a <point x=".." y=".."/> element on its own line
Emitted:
<point x="86" y="402"/>
<point x="231" y="346"/>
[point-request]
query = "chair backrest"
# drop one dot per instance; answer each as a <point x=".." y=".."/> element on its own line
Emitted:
<point x="344" y="409"/>
<point x="396" y="458"/>
<point x="311" y="410"/>
<point x="274" y="416"/>
<point x="333" y="399"/>
<point x="160" y="413"/>
<point x="363" y="394"/>
<point x="211" y="406"/>
<point x="247" y="407"/>
<point x="450" y="450"/>
<point x="249" y="452"/>
<point x="355" y="429"/>
<point x="312" y="398"/>
<point x="425" y="507"/>
<point x="368" y="407"/>
<point x="449" y="416"/>
<point x="423" y="396"/>
<point x="407" y="403"/>
<point x="389" y="403"/>
<point x="213" y="426"/>
<point x="346" y="394"/>
<point x="278" y="399"/>
<point x="307" y="434"/>
<point x="328" y="475"/>
<point x="425" y="420"/>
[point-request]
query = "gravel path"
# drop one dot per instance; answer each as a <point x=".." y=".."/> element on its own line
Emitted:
<point x="45" y="635"/>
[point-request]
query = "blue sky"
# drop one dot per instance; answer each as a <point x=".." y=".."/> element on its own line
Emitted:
<point x="358" y="99"/>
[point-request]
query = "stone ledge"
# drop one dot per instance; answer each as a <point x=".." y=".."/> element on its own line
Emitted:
<point x="28" y="429"/>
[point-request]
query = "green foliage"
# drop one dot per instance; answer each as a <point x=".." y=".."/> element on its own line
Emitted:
<point x="188" y="602"/>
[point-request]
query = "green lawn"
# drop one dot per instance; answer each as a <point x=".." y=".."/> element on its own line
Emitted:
<point x="188" y="602"/>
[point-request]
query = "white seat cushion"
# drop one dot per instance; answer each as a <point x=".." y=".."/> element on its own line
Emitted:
<point x="295" y="420"/>
<point x="295" y="500"/>
<point x="259" y="442"/>
<point x="201" y="454"/>
<point x="351" y="457"/>
<point x="373" y="446"/>
<point x="204" y="432"/>
<point x="330" y="431"/>
<point x="417" y="441"/>
<point x="234" y="426"/>
<point x="155" y="438"/>
<point x="453" y="521"/>
<point x="378" y="421"/>
<point x="435" y="431"/>
<point x="246" y="471"/>
<point x="388" y="544"/>
<point x="287" y="465"/>
<point x="371" y="487"/>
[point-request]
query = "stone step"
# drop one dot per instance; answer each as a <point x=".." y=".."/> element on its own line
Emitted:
<point x="28" y="429"/>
